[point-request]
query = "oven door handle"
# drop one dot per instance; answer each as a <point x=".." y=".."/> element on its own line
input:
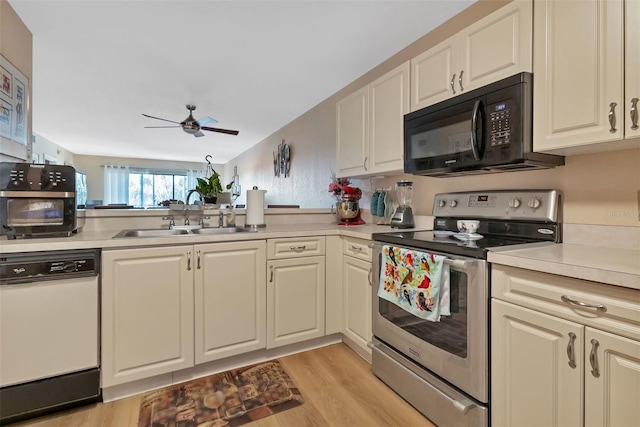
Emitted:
<point x="457" y="263"/>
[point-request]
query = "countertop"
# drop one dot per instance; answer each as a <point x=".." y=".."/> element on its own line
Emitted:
<point x="104" y="239"/>
<point x="620" y="267"/>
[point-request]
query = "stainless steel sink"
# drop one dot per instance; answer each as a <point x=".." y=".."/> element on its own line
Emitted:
<point x="150" y="233"/>
<point x="223" y="230"/>
<point x="180" y="232"/>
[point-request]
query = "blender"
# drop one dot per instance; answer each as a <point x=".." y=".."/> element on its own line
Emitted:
<point x="403" y="216"/>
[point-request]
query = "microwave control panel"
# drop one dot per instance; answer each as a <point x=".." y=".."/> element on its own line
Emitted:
<point x="500" y="126"/>
<point x="37" y="177"/>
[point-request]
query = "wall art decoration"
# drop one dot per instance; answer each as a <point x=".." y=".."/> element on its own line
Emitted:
<point x="282" y="160"/>
<point x="14" y="102"/>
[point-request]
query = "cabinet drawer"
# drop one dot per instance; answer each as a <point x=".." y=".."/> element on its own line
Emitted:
<point x="619" y="311"/>
<point x="295" y="247"/>
<point x="356" y="248"/>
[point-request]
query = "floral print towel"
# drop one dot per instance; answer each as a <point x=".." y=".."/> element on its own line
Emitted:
<point x="416" y="281"/>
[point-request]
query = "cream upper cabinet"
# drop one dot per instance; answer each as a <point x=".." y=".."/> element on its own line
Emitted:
<point x="632" y="69"/>
<point x="495" y="47"/>
<point x="147" y="312"/>
<point x="584" y="82"/>
<point x="352" y="133"/>
<point x="369" y="126"/>
<point x="230" y="299"/>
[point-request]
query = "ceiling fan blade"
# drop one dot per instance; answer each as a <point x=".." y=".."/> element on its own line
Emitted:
<point x="204" y="121"/>
<point x="155" y="127"/>
<point x="198" y="134"/>
<point x="158" y="118"/>
<point x="227" y="131"/>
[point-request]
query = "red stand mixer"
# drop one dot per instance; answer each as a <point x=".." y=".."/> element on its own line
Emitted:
<point x="348" y="209"/>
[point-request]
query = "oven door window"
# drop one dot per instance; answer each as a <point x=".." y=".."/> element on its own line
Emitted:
<point x="450" y="334"/>
<point x="35" y="212"/>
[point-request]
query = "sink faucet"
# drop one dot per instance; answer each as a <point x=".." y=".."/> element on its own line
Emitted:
<point x="194" y="191"/>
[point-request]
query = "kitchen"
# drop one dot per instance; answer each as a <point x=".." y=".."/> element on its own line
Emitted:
<point x="599" y="189"/>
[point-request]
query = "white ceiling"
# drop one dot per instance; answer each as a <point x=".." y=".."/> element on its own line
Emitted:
<point x="252" y="65"/>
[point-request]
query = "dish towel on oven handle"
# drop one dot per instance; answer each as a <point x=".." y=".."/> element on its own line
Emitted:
<point x="417" y="282"/>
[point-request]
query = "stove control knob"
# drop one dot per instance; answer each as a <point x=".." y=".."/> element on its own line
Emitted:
<point x="453" y="203"/>
<point x="442" y="203"/>
<point x="534" y="203"/>
<point x="514" y="203"/>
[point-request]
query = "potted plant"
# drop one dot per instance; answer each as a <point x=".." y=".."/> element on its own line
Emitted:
<point x="210" y="187"/>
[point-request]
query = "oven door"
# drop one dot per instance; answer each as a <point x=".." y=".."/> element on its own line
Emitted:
<point x="456" y="348"/>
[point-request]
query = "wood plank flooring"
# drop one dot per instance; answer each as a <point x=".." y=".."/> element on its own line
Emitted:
<point x="337" y="385"/>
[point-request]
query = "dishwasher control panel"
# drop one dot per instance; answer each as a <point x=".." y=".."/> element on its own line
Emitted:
<point x="38" y="266"/>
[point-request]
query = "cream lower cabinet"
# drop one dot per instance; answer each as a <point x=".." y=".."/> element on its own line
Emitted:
<point x="295" y="290"/>
<point x="168" y="308"/>
<point x="230" y="299"/>
<point x="555" y="363"/>
<point x="586" y="101"/>
<point x="495" y="47"/>
<point x="147" y="312"/>
<point x="356" y="295"/>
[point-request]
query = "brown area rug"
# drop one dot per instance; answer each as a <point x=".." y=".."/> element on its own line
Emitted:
<point x="230" y="398"/>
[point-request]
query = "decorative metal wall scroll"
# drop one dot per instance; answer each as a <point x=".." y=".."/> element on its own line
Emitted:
<point x="282" y="160"/>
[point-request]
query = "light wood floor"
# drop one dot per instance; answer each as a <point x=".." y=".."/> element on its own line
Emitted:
<point x="336" y="384"/>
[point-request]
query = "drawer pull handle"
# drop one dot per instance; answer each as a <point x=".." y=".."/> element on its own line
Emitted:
<point x="460" y="81"/>
<point x="571" y="351"/>
<point x="356" y="248"/>
<point x="453" y="85"/>
<point x="634" y="114"/>
<point x="188" y="260"/>
<point x="593" y="358"/>
<point x="271" y="276"/>
<point x="298" y="248"/>
<point x="198" y="257"/>
<point x="599" y="307"/>
<point x="369" y="276"/>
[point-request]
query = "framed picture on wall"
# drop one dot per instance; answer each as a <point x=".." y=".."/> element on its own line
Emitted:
<point x="14" y="97"/>
<point x="6" y="110"/>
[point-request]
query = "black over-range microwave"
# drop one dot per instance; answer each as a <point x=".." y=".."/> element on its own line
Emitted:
<point x="485" y="130"/>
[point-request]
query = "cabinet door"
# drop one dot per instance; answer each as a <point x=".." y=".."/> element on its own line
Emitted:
<point x="356" y="286"/>
<point x="496" y="47"/>
<point x="612" y="380"/>
<point x="632" y="68"/>
<point x="295" y="300"/>
<point x="230" y="299"/>
<point x="432" y="74"/>
<point x="389" y="102"/>
<point x="147" y="313"/>
<point x="352" y="133"/>
<point x="532" y="382"/>
<point x="578" y="72"/>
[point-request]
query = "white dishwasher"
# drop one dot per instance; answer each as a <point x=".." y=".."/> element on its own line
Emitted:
<point x="49" y="332"/>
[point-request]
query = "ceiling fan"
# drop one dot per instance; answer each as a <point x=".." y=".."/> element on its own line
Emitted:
<point x="193" y="126"/>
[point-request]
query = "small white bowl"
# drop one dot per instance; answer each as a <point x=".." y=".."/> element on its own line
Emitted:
<point x="468" y="225"/>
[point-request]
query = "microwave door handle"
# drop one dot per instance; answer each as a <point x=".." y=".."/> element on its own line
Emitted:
<point x="474" y="120"/>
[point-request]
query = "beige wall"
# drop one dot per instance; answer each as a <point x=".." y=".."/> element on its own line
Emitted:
<point x="597" y="188"/>
<point x="16" y="45"/>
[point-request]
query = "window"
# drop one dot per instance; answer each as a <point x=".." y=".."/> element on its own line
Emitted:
<point x="151" y="189"/>
<point x="143" y="188"/>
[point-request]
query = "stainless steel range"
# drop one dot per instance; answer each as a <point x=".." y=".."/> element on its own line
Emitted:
<point x="442" y="367"/>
